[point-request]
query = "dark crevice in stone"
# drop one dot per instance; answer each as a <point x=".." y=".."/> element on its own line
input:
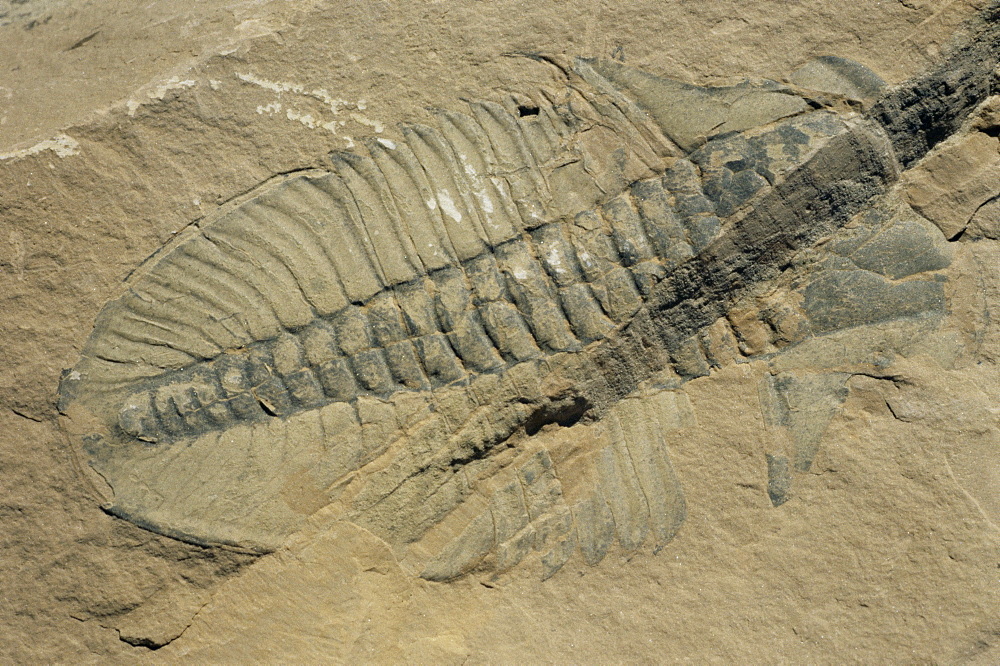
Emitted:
<point x="566" y="412"/>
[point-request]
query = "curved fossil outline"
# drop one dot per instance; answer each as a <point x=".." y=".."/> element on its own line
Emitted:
<point x="388" y="336"/>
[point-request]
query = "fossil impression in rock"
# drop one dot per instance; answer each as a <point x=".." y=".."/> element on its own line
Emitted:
<point x="397" y="338"/>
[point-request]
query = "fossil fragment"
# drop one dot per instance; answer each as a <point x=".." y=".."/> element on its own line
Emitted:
<point x="393" y="336"/>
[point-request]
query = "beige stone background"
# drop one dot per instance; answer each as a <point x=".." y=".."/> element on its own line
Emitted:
<point x="122" y="122"/>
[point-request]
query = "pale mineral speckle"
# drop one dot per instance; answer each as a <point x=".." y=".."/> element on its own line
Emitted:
<point x="273" y="107"/>
<point x="368" y="122"/>
<point x="448" y="205"/>
<point x="159" y="92"/>
<point x="62" y="145"/>
<point x="555" y="260"/>
<point x="305" y="118"/>
<point x="485" y="202"/>
<point x="332" y="105"/>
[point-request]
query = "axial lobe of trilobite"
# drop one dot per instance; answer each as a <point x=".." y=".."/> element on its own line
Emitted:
<point x="499" y="308"/>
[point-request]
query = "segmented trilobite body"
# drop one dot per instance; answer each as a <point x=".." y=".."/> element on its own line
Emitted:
<point x="410" y="267"/>
<point x="492" y="244"/>
<point x="376" y="335"/>
<point x="514" y="278"/>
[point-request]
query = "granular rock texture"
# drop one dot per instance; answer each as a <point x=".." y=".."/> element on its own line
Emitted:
<point x="594" y="332"/>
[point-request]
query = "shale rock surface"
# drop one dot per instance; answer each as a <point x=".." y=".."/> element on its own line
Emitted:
<point x="504" y="333"/>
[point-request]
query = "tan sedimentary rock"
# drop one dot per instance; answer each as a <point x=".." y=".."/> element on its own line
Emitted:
<point x="835" y="488"/>
<point x="389" y="336"/>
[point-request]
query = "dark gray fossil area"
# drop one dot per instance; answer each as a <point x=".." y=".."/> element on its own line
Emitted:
<point x="389" y="337"/>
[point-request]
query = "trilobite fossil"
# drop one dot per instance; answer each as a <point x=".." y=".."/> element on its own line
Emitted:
<point x="391" y="335"/>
